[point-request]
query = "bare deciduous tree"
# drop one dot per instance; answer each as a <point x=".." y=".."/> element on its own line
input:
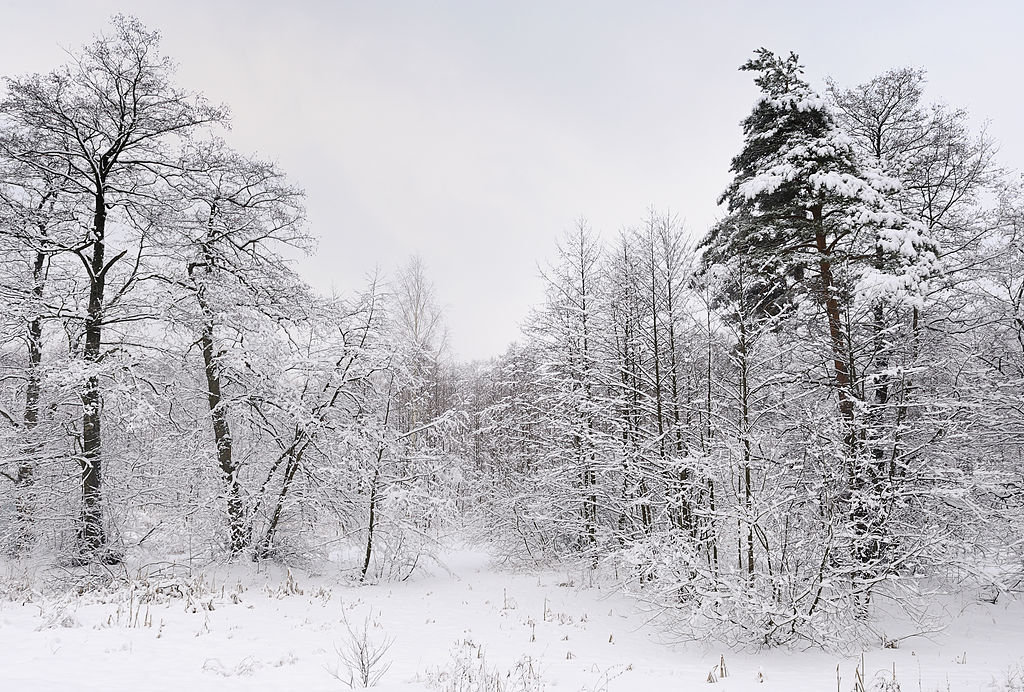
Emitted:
<point x="105" y="126"/>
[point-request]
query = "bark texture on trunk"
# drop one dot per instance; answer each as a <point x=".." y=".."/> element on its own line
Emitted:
<point x="222" y="439"/>
<point x="92" y="536"/>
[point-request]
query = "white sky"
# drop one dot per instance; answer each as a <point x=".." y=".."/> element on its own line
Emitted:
<point x="475" y="133"/>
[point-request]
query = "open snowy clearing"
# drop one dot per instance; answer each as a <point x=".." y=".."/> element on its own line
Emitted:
<point x="239" y="630"/>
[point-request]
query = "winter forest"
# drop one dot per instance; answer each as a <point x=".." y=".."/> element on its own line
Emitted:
<point x="798" y="430"/>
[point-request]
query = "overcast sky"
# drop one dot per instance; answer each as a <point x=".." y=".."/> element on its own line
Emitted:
<point x="475" y="133"/>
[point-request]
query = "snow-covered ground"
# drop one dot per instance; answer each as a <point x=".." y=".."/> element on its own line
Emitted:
<point x="235" y="629"/>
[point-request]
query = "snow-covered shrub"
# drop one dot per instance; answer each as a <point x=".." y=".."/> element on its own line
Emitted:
<point x="467" y="670"/>
<point x="1012" y="680"/>
<point x="363" y="655"/>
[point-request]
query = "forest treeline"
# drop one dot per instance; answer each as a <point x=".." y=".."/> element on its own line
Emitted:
<point x="769" y="430"/>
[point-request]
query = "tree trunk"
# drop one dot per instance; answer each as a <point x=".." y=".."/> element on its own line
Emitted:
<point x="92" y="537"/>
<point x="863" y="519"/>
<point x="222" y="438"/>
<point x="708" y="534"/>
<point x="588" y="473"/>
<point x="25" y="478"/>
<point x="372" y="520"/>
<point x="830" y="302"/>
<point x="684" y="511"/>
<point x="748" y="490"/>
<point x="659" y="405"/>
<point x="293" y="459"/>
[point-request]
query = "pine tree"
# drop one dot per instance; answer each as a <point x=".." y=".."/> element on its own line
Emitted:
<point x="816" y="223"/>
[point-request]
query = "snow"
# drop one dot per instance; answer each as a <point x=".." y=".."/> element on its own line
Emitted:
<point x="802" y="101"/>
<point x="768" y="181"/>
<point x="272" y="629"/>
<point x="842" y="184"/>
